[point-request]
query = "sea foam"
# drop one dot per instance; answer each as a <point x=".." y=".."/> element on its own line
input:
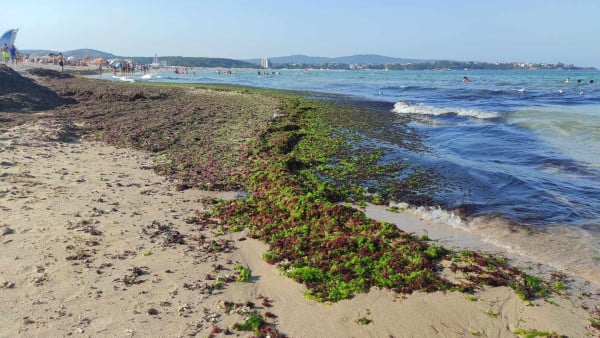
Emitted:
<point x="420" y="109"/>
<point x="432" y="213"/>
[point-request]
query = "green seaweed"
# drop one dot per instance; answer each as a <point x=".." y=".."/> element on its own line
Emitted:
<point x="303" y="163"/>
<point x="244" y="273"/>
<point x="253" y="323"/>
<point x="296" y="190"/>
<point x="535" y="333"/>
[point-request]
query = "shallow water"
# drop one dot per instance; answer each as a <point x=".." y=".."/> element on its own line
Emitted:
<point x="525" y="140"/>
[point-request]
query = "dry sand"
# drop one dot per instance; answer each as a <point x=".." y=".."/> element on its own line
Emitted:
<point x="73" y="220"/>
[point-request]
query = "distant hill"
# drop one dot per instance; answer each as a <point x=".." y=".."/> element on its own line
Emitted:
<point x="93" y="53"/>
<point x="37" y="51"/>
<point x="353" y="59"/>
<point x="181" y="61"/>
<point x="189" y="61"/>
<point x="371" y="61"/>
<point x="375" y="59"/>
<point x="294" y="59"/>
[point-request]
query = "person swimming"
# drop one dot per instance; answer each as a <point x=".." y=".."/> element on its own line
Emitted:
<point x="568" y="80"/>
<point x="466" y="79"/>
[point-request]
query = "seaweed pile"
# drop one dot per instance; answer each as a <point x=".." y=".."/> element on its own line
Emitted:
<point x="332" y="248"/>
<point x="298" y="171"/>
<point x="22" y="94"/>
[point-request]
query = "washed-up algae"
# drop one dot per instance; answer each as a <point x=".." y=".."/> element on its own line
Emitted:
<point x="298" y="168"/>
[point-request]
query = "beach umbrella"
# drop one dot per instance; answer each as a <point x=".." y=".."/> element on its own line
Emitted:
<point x="99" y="60"/>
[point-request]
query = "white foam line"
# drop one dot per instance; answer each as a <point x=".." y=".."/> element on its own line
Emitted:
<point x="420" y="109"/>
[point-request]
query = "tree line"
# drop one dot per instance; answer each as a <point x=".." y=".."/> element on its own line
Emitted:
<point x="186" y="61"/>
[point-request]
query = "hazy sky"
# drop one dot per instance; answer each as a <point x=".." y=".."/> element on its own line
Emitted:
<point x="479" y="30"/>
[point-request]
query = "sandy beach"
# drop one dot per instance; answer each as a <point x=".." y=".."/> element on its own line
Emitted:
<point x="94" y="243"/>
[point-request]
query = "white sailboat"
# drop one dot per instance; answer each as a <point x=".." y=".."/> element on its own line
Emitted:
<point x="155" y="65"/>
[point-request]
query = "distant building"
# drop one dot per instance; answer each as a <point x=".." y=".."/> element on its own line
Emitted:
<point x="264" y="63"/>
<point x="158" y="64"/>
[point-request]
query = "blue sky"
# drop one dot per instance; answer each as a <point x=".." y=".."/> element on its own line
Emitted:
<point x="508" y="30"/>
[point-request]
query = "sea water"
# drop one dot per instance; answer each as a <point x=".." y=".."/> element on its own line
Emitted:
<point x="518" y="146"/>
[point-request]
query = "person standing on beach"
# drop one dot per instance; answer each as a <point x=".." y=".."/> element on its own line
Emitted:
<point x="13" y="53"/>
<point x="61" y="62"/>
<point x="5" y="53"/>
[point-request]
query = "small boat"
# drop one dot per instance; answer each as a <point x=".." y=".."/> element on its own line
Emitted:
<point x="155" y="64"/>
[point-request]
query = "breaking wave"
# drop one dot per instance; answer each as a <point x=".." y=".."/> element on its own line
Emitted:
<point x="420" y="109"/>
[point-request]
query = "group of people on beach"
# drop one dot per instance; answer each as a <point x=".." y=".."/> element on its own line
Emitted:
<point x="185" y="71"/>
<point x="127" y="68"/>
<point x="9" y="53"/>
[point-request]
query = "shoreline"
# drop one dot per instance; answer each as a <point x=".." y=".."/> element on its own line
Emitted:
<point x="116" y="191"/>
<point x="51" y="183"/>
<point x="498" y="238"/>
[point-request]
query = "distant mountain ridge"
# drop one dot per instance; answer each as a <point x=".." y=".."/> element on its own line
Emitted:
<point x="372" y="61"/>
<point x="352" y="59"/>
<point x="297" y="59"/>
<point x="92" y="53"/>
<point x="171" y="60"/>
